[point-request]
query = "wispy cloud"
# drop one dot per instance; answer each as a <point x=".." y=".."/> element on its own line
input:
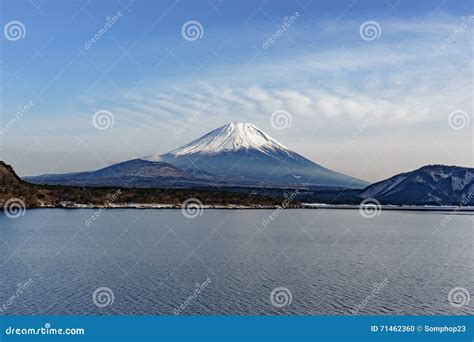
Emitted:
<point x="413" y="83"/>
<point x="406" y="78"/>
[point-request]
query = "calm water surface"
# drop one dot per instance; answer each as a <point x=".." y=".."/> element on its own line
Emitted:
<point x="330" y="260"/>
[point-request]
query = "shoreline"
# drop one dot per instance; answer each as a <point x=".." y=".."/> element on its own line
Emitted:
<point x="261" y="207"/>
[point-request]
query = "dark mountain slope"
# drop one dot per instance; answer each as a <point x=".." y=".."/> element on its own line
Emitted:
<point x="428" y="185"/>
<point x="132" y="173"/>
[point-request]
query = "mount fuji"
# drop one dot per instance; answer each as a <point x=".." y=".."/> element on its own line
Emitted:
<point x="236" y="154"/>
<point x="242" y="154"/>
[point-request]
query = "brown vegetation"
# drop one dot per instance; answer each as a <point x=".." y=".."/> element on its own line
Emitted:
<point x="36" y="195"/>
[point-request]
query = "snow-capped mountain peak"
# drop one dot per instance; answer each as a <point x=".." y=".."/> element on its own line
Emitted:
<point x="240" y="153"/>
<point x="229" y="138"/>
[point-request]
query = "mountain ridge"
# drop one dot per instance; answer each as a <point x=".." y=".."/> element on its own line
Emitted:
<point x="429" y="184"/>
<point x="131" y="173"/>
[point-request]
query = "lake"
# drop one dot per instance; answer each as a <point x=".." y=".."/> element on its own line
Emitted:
<point x="228" y="262"/>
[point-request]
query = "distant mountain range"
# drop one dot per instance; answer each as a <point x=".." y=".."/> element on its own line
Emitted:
<point x="436" y="185"/>
<point x="240" y="157"/>
<point x="236" y="154"/>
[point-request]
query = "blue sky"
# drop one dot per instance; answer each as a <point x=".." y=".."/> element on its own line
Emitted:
<point x="368" y="108"/>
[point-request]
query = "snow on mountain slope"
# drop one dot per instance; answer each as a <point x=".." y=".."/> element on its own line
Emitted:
<point x="229" y="138"/>
<point x="240" y="153"/>
<point x="384" y="186"/>
<point x="430" y="184"/>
